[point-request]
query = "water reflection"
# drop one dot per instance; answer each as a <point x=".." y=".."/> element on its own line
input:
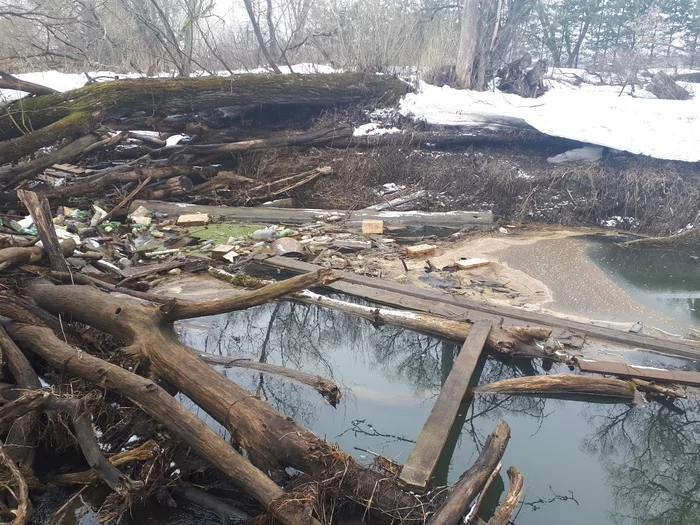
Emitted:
<point x="666" y="280"/>
<point x="583" y="463"/>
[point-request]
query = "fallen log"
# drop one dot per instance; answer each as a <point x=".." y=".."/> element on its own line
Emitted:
<point x="272" y="440"/>
<point x="460" y="306"/>
<point x="312" y="138"/>
<point x="473" y="480"/>
<point x="101" y="101"/>
<point x="166" y="410"/>
<point x="173" y="187"/>
<point x="22" y="436"/>
<point x="327" y="388"/>
<point x="98" y="182"/>
<point x="509" y="341"/>
<point x="453" y="219"/>
<point x="31" y="254"/>
<point x="562" y="384"/>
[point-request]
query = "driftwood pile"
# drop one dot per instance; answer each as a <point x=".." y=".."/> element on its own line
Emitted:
<point x="101" y="350"/>
<point x="107" y="343"/>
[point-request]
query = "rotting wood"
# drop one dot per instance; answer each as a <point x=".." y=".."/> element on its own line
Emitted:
<point x="511" y="341"/>
<point x="669" y="347"/>
<point x="41" y="214"/>
<point x="504" y="513"/>
<point x="473" y="516"/>
<point x="473" y="480"/>
<point x="143" y="452"/>
<point x="327" y="388"/>
<point x="22" y="438"/>
<point x="166" y="410"/>
<point x="31" y="254"/>
<point x="398" y="201"/>
<point x="562" y="384"/>
<point x="173" y="187"/>
<point x="312" y="138"/>
<point x="177" y="96"/>
<point x="21" y="494"/>
<point x="454" y="219"/>
<point x="648" y="373"/>
<point x="96" y="183"/>
<point x="25" y="170"/>
<point x="424" y="456"/>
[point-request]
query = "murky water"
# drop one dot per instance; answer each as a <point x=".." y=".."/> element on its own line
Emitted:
<point x="584" y="463"/>
<point x="665" y="280"/>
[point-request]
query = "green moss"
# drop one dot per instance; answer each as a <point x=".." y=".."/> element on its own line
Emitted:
<point x="222" y="231"/>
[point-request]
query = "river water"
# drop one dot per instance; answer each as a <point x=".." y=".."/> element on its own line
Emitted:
<point x="584" y="463"/>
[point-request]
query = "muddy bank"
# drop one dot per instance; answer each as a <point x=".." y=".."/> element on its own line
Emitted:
<point x="543" y="269"/>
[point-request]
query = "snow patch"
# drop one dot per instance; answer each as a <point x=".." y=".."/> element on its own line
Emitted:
<point x="665" y="129"/>
<point x="373" y="128"/>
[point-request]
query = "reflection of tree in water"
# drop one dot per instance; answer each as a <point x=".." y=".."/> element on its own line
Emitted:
<point x="652" y="458"/>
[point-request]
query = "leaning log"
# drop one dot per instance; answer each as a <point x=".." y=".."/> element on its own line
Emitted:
<point x="165" y="409"/>
<point x="505" y="511"/>
<point x="473" y="480"/>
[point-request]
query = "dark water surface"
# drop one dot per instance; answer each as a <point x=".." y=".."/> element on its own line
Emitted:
<point x="665" y="280"/>
<point x="584" y="463"/>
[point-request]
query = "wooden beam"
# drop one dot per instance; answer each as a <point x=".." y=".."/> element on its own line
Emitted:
<point x="421" y="461"/>
<point x="453" y="219"/>
<point x="642" y="372"/>
<point x="674" y="348"/>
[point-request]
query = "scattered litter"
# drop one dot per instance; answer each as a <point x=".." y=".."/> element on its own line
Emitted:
<point x="193" y="219"/>
<point x="372" y="226"/>
<point x="421" y="250"/>
<point x="468" y="264"/>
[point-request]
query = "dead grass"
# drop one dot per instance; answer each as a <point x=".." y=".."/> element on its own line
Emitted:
<point x="649" y="196"/>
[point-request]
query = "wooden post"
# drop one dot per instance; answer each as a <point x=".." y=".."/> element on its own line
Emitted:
<point x="41" y="213"/>
<point x="424" y="457"/>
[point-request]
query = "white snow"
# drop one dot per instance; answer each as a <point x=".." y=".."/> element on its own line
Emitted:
<point x="665" y="129"/>
<point x="373" y="128"/>
<point x="174" y="140"/>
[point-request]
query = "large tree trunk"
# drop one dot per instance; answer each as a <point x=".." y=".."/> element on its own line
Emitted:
<point x="84" y="108"/>
<point x="468" y="36"/>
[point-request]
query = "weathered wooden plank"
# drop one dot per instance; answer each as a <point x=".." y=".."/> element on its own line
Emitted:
<point x="642" y="372"/>
<point x="668" y="347"/>
<point x="424" y="456"/>
<point x="454" y="219"/>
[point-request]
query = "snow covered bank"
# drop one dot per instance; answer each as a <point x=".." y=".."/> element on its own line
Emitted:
<point x="664" y="129"/>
